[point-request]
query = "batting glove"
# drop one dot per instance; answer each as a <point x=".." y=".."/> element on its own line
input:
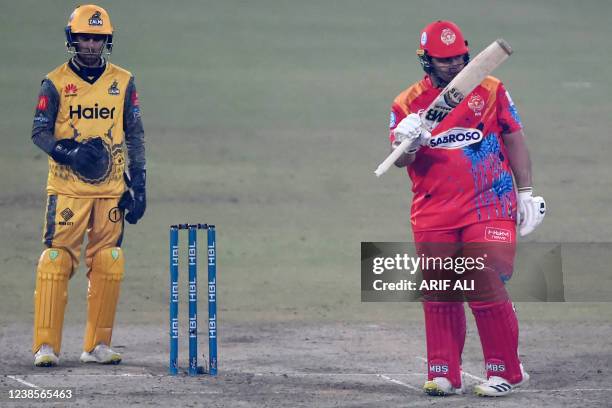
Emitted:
<point x="531" y="211"/>
<point x="410" y="128"/>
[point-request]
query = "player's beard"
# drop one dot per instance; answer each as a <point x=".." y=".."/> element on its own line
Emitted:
<point x="89" y="58"/>
<point x="442" y="78"/>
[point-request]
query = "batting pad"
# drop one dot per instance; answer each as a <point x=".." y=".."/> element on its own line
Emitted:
<point x="105" y="278"/>
<point x="445" y="333"/>
<point x="50" y="297"/>
<point x="498" y="330"/>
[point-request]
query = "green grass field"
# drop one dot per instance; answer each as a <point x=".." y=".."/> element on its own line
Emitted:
<point x="267" y="118"/>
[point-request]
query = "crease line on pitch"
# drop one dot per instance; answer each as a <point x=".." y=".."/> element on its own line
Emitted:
<point x="314" y="374"/>
<point x="398" y="382"/>
<point x="24" y="382"/>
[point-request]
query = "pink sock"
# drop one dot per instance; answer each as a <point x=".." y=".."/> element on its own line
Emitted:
<point x="498" y="330"/>
<point x="445" y="332"/>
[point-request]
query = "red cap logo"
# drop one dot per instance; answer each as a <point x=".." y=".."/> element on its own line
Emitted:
<point x="448" y="36"/>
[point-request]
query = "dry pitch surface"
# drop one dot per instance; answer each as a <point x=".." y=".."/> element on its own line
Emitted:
<point x="307" y="365"/>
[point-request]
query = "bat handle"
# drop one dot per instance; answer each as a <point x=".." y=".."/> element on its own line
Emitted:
<point x="392" y="158"/>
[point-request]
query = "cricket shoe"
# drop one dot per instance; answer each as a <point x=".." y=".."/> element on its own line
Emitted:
<point x="45" y="357"/>
<point x="101" y="354"/>
<point x="441" y="387"/>
<point x="498" y="386"/>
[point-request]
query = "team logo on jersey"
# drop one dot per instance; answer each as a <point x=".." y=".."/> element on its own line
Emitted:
<point x="392" y="120"/>
<point x="455" y="138"/>
<point x="70" y="90"/>
<point x="43" y="103"/>
<point x="476" y="104"/>
<point x="96" y="20"/>
<point x="114" y="89"/>
<point x="448" y="36"/>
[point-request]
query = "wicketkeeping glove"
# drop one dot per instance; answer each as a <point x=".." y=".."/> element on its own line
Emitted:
<point x="88" y="158"/>
<point x="134" y="200"/>
<point x="74" y="154"/>
<point x="531" y="211"/>
<point x="410" y="128"/>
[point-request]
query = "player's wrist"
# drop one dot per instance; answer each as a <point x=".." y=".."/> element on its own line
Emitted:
<point x="525" y="192"/>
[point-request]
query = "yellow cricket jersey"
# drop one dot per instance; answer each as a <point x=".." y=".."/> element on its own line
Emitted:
<point x="87" y="111"/>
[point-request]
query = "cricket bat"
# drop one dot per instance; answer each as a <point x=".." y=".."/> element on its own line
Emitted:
<point x="465" y="82"/>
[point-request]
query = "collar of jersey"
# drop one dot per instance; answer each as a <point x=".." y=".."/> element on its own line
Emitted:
<point x="87" y="74"/>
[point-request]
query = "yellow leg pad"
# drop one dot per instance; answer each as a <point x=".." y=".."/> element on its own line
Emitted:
<point x="50" y="297"/>
<point x="103" y="294"/>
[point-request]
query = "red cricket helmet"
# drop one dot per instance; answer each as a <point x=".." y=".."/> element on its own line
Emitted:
<point x="441" y="39"/>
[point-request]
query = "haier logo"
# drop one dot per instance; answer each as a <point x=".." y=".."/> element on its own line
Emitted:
<point x="455" y="138"/>
<point x="91" y="113"/>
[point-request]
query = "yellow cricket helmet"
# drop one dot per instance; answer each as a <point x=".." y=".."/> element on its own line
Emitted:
<point x="89" y="19"/>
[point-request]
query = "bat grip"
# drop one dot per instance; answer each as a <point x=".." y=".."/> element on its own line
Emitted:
<point x="392" y="158"/>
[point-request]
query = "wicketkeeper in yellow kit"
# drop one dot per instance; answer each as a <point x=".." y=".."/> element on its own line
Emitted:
<point x="87" y="116"/>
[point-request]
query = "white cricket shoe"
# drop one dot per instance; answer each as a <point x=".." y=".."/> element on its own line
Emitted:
<point x="498" y="386"/>
<point x="102" y="354"/>
<point x="440" y="387"/>
<point x="45" y="357"/>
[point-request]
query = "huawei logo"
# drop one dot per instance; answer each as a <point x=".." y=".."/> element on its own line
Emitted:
<point x="70" y="90"/>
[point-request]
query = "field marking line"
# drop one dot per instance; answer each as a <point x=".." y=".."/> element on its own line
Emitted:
<point x="280" y="374"/>
<point x="463" y="372"/>
<point x="24" y="382"/>
<point x="566" y="390"/>
<point x="475" y="377"/>
<point x="398" y="382"/>
<point x="298" y="374"/>
<point x="91" y="375"/>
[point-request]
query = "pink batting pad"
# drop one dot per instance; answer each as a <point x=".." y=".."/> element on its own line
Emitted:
<point x="445" y="332"/>
<point x="498" y="330"/>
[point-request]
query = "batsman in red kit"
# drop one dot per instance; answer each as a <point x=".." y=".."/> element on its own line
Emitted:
<point x="87" y="116"/>
<point x="465" y="177"/>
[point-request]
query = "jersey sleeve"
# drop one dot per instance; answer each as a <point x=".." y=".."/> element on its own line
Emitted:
<point x="398" y="112"/>
<point x="134" y="131"/>
<point x="507" y="114"/>
<point x="43" y="128"/>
